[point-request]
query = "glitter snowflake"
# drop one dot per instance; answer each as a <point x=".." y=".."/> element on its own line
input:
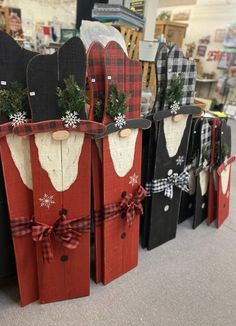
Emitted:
<point x="180" y="160"/>
<point x="46" y="201"/>
<point x="133" y="179"/>
<point x="174" y="108"/>
<point x="120" y="120"/>
<point x="18" y="118"/>
<point x="71" y="119"/>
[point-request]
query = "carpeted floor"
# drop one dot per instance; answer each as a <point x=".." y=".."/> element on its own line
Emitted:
<point x="190" y="281"/>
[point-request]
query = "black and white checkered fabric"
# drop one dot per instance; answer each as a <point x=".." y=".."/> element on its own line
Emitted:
<point x="205" y="150"/>
<point x="161" y="73"/>
<point x="177" y="64"/>
<point x="167" y="184"/>
<point x="148" y="188"/>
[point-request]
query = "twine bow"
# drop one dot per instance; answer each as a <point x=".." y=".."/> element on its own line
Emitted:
<point x="131" y="204"/>
<point x="167" y="184"/>
<point x="68" y="232"/>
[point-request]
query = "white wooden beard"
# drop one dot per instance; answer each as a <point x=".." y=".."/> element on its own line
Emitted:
<point x="122" y="151"/>
<point x="174" y="133"/>
<point x="60" y="158"/>
<point x="204" y="178"/>
<point x="20" y="153"/>
<point x="225" y="174"/>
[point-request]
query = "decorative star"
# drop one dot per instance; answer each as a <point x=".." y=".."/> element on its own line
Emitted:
<point x="46" y="201"/>
<point x="71" y="119"/>
<point x="18" y="118"/>
<point x="174" y="108"/>
<point x="120" y="120"/>
<point x="133" y="179"/>
<point x="180" y="160"/>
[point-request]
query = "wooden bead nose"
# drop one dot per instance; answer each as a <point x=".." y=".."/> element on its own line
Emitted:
<point x="61" y="135"/>
<point x="125" y="133"/>
<point x="177" y="118"/>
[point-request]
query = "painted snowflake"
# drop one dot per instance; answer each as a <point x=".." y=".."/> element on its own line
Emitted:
<point x="180" y="160"/>
<point x="174" y="108"/>
<point x="71" y="119"/>
<point x="46" y="201"/>
<point x="133" y="179"/>
<point x="18" y="118"/>
<point x="120" y="120"/>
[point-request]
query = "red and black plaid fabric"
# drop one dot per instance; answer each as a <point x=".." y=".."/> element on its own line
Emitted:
<point x="86" y="126"/>
<point x="95" y="73"/>
<point x="126" y="75"/>
<point x="21" y="226"/>
<point x="5" y="129"/>
<point x="128" y="208"/>
<point x="68" y="232"/>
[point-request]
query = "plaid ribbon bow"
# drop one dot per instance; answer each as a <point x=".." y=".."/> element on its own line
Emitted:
<point x="21" y="226"/>
<point x="167" y="184"/>
<point x="131" y="205"/>
<point x="68" y="232"/>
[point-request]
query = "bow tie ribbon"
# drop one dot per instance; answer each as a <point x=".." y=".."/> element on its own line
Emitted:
<point x="167" y="184"/>
<point x="68" y="232"/>
<point x="131" y="204"/>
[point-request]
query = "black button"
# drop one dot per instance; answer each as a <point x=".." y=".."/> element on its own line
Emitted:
<point x="64" y="258"/>
<point x="123" y="235"/>
<point x="123" y="194"/>
<point x="63" y="211"/>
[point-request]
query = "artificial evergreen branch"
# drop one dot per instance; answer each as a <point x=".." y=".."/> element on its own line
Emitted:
<point x="72" y="97"/>
<point x="98" y="109"/>
<point x="175" y="92"/>
<point x="116" y="102"/>
<point x="13" y="100"/>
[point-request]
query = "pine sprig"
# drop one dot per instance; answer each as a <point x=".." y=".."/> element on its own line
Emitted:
<point x="71" y="98"/>
<point x="116" y="102"/>
<point x="98" y="110"/>
<point x="175" y="92"/>
<point x="13" y="100"/>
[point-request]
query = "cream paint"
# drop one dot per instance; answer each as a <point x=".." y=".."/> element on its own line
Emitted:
<point x="173" y="134"/>
<point x="204" y="178"/>
<point x="60" y="159"/>
<point x="122" y="151"/>
<point x="225" y="175"/>
<point x="20" y="152"/>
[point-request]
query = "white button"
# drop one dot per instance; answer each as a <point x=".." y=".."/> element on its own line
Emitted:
<point x="203" y="205"/>
<point x="170" y="172"/>
<point x="3" y="82"/>
<point x="93" y="80"/>
<point x="166" y="208"/>
<point x="32" y="93"/>
<point x="108" y="77"/>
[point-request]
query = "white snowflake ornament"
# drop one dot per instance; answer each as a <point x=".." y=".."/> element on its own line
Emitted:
<point x="120" y="120"/>
<point x="133" y="179"/>
<point x="180" y="160"/>
<point x="174" y="108"/>
<point x="46" y="201"/>
<point x="71" y="119"/>
<point x="18" y="118"/>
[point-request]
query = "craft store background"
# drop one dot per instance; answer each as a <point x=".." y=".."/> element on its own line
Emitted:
<point x="156" y="243"/>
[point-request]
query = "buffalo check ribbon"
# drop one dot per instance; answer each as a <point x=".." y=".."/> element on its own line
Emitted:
<point x="21" y="226"/>
<point x="167" y="184"/>
<point x="68" y="232"/>
<point x="128" y="208"/>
